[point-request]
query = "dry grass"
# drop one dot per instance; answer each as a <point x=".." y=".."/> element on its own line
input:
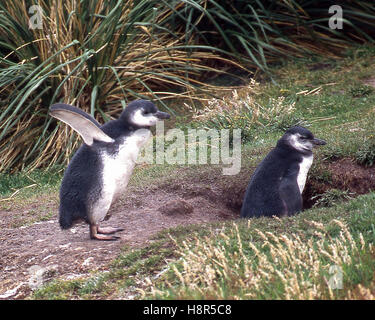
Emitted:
<point x="275" y="266"/>
<point x="240" y="109"/>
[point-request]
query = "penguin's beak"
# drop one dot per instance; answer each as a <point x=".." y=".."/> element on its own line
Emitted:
<point x="162" y="115"/>
<point x="318" y="142"/>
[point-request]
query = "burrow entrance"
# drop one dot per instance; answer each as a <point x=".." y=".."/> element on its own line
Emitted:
<point x="333" y="181"/>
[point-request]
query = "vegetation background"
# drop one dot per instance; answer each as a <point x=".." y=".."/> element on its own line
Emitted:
<point x="98" y="55"/>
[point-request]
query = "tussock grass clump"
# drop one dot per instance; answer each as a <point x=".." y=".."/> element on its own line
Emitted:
<point x="260" y="32"/>
<point x="241" y="110"/>
<point x="96" y="55"/>
<point x="365" y="155"/>
<point x="331" y="197"/>
<point x="360" y="90"/>
<point x="100" y="54"/>
<point x="268" y="265"/>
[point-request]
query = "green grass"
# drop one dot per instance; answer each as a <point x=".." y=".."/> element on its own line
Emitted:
<point x="238" y="260"/>
<point x="277" y="259"/>
<point x="29" y="183"/>
<point x="331" y="197"/>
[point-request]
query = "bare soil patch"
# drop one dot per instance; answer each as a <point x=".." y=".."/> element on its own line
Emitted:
<point x="370" y="82"/>
<point x="344" y="174"/>
<point x="43" y="247"/>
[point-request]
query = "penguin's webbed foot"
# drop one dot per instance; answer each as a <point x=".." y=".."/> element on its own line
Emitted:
<point x="98" y="233"/>
<point x="108" y="230"/>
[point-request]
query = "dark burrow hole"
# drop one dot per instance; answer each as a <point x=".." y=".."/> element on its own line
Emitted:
<point x="326" y="185"/>
<point x="339" y="180"/>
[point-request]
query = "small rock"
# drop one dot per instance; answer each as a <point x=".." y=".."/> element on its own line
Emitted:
<point x="87" y="261"/>
<point x="64" y="246"/>
<point x="40" y="275"/>
<point x="49" y="256"/>
<point x="11" y="292"/>
<point x="176" y="207"/>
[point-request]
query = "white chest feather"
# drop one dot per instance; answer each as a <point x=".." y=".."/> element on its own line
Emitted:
<point x="304" y="168"/>
<point x="117" y="170"/>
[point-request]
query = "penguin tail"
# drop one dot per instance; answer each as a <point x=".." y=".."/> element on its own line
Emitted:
<point x="244" y="211"/>
<point x="65" y="220"/>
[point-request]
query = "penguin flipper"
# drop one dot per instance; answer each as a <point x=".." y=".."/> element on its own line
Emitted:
<point x="291" y="196"/>
<point x="87" y="127"/>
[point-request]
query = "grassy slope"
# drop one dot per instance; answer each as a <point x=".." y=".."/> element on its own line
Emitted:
<point x="260" y="258"/>
<point x="291" y="258"/>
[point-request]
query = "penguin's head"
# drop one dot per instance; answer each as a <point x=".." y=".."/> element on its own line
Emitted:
<point x="301" y="139"/>
<point x="143" y="114"/>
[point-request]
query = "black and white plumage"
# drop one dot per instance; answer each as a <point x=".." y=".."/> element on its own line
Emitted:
<point x="277" y="184"/>
<point x="99" y="171"/>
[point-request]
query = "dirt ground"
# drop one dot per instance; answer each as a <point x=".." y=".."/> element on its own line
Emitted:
<point x="35" y="253"/>
<point x="345" y="175"/>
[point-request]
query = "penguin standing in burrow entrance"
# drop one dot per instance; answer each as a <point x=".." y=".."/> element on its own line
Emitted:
<point x="277" y="184"/>
<point x="99" y="171"/>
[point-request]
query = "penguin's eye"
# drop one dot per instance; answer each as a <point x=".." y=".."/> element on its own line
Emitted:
<point x="146" y="112"/>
